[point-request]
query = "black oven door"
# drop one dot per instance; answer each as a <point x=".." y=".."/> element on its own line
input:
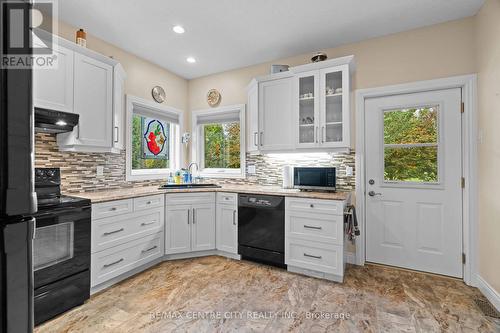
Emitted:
<point x="61" y="246"/>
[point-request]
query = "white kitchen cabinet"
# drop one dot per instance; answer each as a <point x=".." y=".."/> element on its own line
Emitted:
<point x="276" y="115"/>
<point x="93" y="101"/>
<point x="119" y="107"/>
<point x="322" y="108"/>
<point x="190" y="222"/>
<point x="253" y="118"/>
<point x="178" y="229"/>
<point x="314" y="237"/>
<point x="203" y="227"/>
<point x="227" y="222"/>
<point x="53" y="88"/>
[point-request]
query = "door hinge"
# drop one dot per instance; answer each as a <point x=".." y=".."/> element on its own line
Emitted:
<point x="462" y="107"/>
<point x="463" y="258"/>
<point x="462" y="182"/>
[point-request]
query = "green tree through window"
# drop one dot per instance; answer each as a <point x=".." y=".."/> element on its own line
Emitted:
<point x="222" y="145"/>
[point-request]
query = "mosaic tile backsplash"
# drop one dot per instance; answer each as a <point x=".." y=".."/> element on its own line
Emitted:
<point x="78" y="170"/>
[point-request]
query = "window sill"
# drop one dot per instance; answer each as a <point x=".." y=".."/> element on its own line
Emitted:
<point x="222" y="174"/>
<point x="146" y="175"/>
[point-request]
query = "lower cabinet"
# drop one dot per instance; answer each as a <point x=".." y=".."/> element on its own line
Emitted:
<point x="314" y="237"/>
<point x="190" y="222"/>
<point x="227" y="222"/>
<point x="126" y="234"/>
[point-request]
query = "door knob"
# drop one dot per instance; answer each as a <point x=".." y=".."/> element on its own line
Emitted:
<point x="372" y="193"/>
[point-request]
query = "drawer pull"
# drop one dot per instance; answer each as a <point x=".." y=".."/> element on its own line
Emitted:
<point x="234" y="217"/>
<point x="150" y="249"/>
<point x="226" y="198"/>
<point x="312" y="227"/>
<point x="311" y="205"/>
<point x="311" y="256"/>
<point x="113" y="232"/>
<point x="143" y="224"/>
<point x="113" y="209"/>
<point x="149" y="202"/>
<point x="113" y="263"/>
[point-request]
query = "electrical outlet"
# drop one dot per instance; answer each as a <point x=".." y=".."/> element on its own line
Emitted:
<point x="348" y="171"/>
<point x="251" y="170"/>
<point x="100" y="171"/>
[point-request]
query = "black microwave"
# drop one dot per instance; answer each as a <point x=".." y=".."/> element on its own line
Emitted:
<point x="314" y="178"/>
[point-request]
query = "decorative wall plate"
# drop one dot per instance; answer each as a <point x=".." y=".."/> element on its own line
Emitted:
<point x="213" y="97"/>
<point x="158" y="94"/>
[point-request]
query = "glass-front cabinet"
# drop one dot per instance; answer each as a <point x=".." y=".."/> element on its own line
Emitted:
<point x="323" y="108"/>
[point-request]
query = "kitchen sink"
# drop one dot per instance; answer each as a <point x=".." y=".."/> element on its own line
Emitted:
<point x="181" y="186"/>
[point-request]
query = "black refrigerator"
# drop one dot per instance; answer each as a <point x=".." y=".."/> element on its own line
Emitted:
<point x="17" y="195"/>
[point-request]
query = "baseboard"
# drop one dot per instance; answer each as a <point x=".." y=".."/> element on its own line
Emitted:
<point x="489" y="292"/>
<point x="190" y="255"/>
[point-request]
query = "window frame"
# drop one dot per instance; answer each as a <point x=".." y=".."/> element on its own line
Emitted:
<point x="198" y="147"/>
<point x="439" y="184"/>
<point x="175" y="143"/>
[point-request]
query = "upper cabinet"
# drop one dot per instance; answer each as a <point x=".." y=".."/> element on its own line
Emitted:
<point x="307" y="108"/>
<point x="91" y="85"/>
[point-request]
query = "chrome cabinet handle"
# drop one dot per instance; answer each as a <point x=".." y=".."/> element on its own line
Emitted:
<point x="113" y="209"/>
<point x="312" y="227"/>
<point x="116" y="133"/>
<point x="113" y="263"/>
<point x="234" y="217"/>
<point x="323" y="135"/>
<point x="373" y="193"/>
<point x="145" y="224"/>
<point x="189" y="215"/>
<point x="113" y="232"/>
<point x="150" y="249"/>
<point x="311" y="256"/>
<point x="261" y="141"/>
<point x="194" y="214"/>
<point x="256" y="139"/>
<point x="78" y="132"/>
<point x="317" y="131"/>
<point x="311" y="205"/>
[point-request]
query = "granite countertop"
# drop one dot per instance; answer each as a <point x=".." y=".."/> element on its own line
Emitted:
<point x="127" y="193"/>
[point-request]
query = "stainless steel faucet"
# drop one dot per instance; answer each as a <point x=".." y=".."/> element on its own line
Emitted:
<point x="189" y="170"/>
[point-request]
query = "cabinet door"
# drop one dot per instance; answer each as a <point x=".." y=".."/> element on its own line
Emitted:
<point x="118" y="107"/>
<point x="276" y="121"/>
<point x="53" y="88"/>
<point x="203" y="228"/>
<point x="227" y="228"/>
<point x="334" y="107"/>
<point x="178" y="229"/>
<point x="253" y="119"/>
<point x="307" y="106"/>
<point x="93" y="101"/>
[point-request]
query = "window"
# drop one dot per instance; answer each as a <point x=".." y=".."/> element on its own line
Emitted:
<point x="411" y="145"/>
<point x="153" y="148"/>
<point x="218" y="142"/>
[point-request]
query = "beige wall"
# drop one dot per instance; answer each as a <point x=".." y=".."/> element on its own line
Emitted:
<point x="488" y="65"/>
<point x="432" y="52"/>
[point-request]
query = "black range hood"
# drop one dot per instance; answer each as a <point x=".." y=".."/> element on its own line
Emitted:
<point x="50" y="121"/>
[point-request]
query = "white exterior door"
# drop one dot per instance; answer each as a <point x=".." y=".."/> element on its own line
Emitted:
<point x="178" y="229"/>
<point x="227" y="228"/>
<point x="203" y="228"/>
<point x="413" y="174"/>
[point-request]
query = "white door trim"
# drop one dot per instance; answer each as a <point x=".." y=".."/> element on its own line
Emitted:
<point x="468" y="83"/>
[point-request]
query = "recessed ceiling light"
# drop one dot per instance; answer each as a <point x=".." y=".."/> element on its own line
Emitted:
<point x="191" y="60"/>
<point x="178" y="29"/>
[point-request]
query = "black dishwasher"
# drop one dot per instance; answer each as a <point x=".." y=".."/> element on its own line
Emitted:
<point x="261" y="228"/>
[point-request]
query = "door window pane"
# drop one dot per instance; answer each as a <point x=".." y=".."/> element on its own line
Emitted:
<point x="411" y="145"/>
<point x="306" y="109"/>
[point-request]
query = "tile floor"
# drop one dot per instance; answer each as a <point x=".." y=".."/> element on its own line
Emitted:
<point x="215" y="294"/>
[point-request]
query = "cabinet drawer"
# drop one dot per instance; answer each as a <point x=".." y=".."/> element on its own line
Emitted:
<point x="113" y="231"/>
<point x="227" y="198"/>
<point x="151" y="201"/>
<point x="112" y="208"/>
<point x="315" y="206"/>
<point x="314" y="256"/>
<point x="315" y="227"/>
<point x="190" y="198"/>
<point x="117" y="260"/>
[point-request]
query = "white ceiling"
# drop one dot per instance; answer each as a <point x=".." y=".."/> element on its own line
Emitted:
<point x="228" y="34"/>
